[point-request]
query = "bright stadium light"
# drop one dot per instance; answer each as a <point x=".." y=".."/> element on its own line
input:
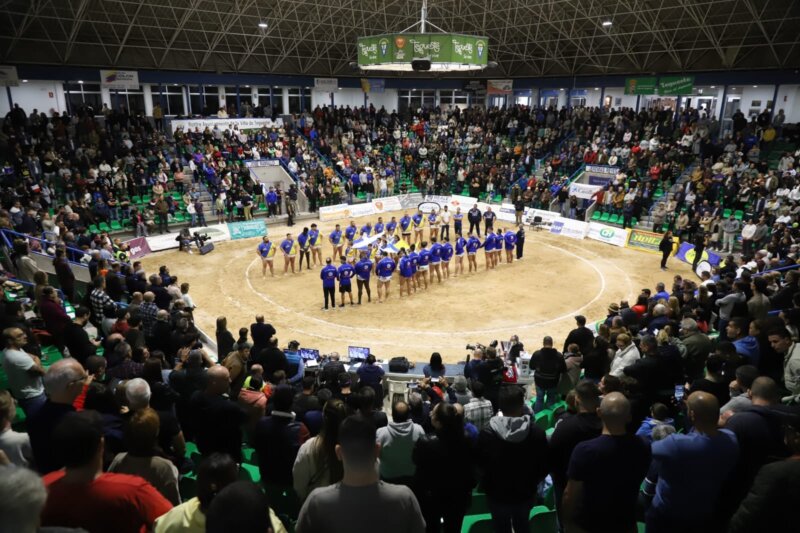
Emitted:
<point x="263" y="25"/>
<point x="607" y="23"/>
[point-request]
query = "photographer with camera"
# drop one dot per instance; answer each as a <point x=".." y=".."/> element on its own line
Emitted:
<point x="184" y="239"/>
<point x="490" y="374"/>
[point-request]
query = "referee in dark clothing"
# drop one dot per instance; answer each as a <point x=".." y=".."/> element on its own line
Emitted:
<point x="666" y="248"/>
<point x="700" y="241"/>
<point x="329" y="274"/>
<point x="520" y="241"/>
<point x="475" y="216"/>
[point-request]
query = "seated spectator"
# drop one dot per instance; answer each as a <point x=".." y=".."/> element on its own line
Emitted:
<point x="370" y="374"/>
<point x="76" y="338"/>
<point x="714" y="382"/>
<point x="141" y="459"/>
<point x="22" y="498"/>
<point x="16" y="446"/>
<point x="511" y="492"/>
<point x="278" y="438"/>
<point x="739" y="391"/>
<point x="659" y="415"/>
<point x="461" y="390"/>
<point x="479" y="410"/>
<point x="317" y="464"/>
<point x="82" y="496"/>
<point x="435" y="368"/>
<point x="627" y="354"/>
<point x="360" y="493"/>
<point x="397" y="441"/>
<point x="606" y="472"/>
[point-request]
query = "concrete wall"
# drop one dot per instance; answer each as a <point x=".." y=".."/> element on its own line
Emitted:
<point x="41" y="95"/>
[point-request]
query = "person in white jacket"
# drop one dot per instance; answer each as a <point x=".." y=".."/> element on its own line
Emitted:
<point x="626" y="355"/>
<point x="397" y="442"/>
<point x="316" y="464"/>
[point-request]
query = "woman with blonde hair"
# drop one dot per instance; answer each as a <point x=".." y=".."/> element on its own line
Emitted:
<point x="673" y="308"/>
<point x="627" y="354"/>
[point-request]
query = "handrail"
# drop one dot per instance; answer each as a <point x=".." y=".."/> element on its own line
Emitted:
<point x="45" y="243"/>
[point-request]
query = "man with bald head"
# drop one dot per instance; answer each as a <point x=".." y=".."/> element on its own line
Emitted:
<point x="148" y="312"/>
<point x="692" y="470"/>
<point x="216" y="420"/>
<point x="397" y="442"/>
<point x="605" y="473"/>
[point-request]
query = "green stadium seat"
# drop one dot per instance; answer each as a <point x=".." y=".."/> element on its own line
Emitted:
<point x="605" y="217"/>
<point x="543" y="520"/>
<point x="249" y="473"/>
<point x="726" y="213"/>
<point x="116" y="226"/>
<point x="596" y="215"/>
<point x="146" y="199"/>
<point x="136" y="199"/>
<point x="614" y="219"/>
<point x="179" y="217"/>
<point x="93" y="229"/>
<point x="738" y="215"/>
<point x="634" y="222"/>
<point x="477" y="524"/>
<point x="104" y="227"/>
<point x="543" y="418"/>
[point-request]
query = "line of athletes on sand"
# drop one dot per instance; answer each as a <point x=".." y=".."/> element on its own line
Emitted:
<point x="417" y="261"/>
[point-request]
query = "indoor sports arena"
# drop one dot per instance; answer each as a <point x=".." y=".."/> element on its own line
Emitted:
<point x="327" y="266"/>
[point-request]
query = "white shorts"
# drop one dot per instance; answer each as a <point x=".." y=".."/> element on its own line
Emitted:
<point x="290" y="256"/>
<point x="317" y="247"/>
<point x="471" y="253"/>
<point x="385" y="279"/>
<point x="423" y="268"/>
<point x="267" y="259"/>
<point x="460" y="255"/>
<point x="359" y="278"/>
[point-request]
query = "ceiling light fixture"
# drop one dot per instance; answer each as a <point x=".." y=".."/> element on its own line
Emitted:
<point x="263" y="25"/>
<point x="755" y="86"/>
<point x="713" y="86"/>
<point x="80" y="81"/>
<point x="607" y="23"/>
<point x="24" y="81"/>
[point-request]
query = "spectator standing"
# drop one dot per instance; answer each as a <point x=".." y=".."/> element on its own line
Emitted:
<point x="397" y="441"/>
<point x="16" y="446"/>
<point x="549" y="366"/>
<point x="278" y="438"/>
<point x="24" y="371"/>
<point x="478" y="411"/>
<point x="317" y="464"/>
<point x="215" y="420"/>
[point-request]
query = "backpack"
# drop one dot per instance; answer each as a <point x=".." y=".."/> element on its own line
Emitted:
<point x="399" y="365"/>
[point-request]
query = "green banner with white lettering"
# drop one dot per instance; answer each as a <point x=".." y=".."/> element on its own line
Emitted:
<point x="439" y="47"/>
<point x="640" y="85"/>
<point x="675" y="85"/>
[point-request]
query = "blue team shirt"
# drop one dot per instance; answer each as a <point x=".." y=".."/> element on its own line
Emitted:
<point x="432" y="218"/>
<point x="313" y="236"/>
<point x="336" y="237"/>
<point x="287" y="246"/>
<point x="385" y="267"/>
<point x="378" y="228"/>
<point x="417" y="219"/>
<point x="390" y="226"/>
<point x="436" y="252"/>
<point x="406" y="267"/>
<point x="264" y="248"/>
<point x="461" y="243"/>
<point x="414" y="257"/>
<point x="473" y="244"/>
<point x="367" y="230"/>
<point x="364" y="269"/>
<point x="488" y="244"/>
<point x="329" y="275"/>
<point x="405" y="222"/>
<point x="350" y="232"/>
<point x="447" y="251"/>
<point x="424" y="257"/>
<point x="458" y="217"/>
<point x="511" y="240"/>
<point x="302" y="239"/>
<point x="346" y="271"/>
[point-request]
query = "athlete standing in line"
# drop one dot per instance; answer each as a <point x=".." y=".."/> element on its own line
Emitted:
<point x="346" y="272"/>
<point x="444" y="218"/>
<point x="498" y="247"/>
<point x="266" y="251"/>
<point x="406" y="268"/>
<point x="350" y="231"/>
<point x="473" y="243"/>
<point x="329" y="275"/>
<point x="510" y="241"/>
<point x="488" y="249"/>
<point x="363" y="271"/>
<point x="305" y="249"/>
<point x="458" y="220"/>
<point x="436" y="260"/>
<point x="379" y="226"/>
<point x="405" y="227"/>
<point x="433" y="222"/>
<point x="461" y="248"/>
<point x="316" y="245"/>
<point x="418" y="221"/>
<point x="289" y="247"/>
<point x="413" y="255"/>
<point x="447" y="255"/>
<point x="424" y="263"/>
<point x="366" y="230"/>
<point x="335" y="238"/>
<point x="391" y="226"/>
<point x="384" y="270"/>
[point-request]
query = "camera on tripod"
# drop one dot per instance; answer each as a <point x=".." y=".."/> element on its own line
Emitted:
<point x="200" y="239"/>
<point x="479" y="346"/>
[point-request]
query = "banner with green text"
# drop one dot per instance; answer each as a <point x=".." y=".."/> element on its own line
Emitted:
<point x="675" y="85"/>
<point x="439" y="47"/>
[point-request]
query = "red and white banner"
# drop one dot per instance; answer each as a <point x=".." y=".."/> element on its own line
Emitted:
<point x="138" y="248"/>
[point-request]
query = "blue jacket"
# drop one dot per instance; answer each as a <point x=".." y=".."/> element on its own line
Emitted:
<point x="748" y="348"/>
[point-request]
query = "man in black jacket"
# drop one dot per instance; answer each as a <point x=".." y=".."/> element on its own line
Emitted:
<point x="77" y="340"/>
<point x="510" y="490"/>
<point x="474" y="216"/>
<point x="261" y="333"/>
<point x="582" y="336"/>
<point x="548" y="366"/>
<point x="571" y="431"/>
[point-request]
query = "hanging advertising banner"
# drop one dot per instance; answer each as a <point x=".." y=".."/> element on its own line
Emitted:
<point x="373" y="85"/>
<point x="640" y="85"/>
<point x="119" y="79"/>
<point x="500" y="87"/>
<point x="675" y="85"/>
<point x="9" y="76"/>
<point x="646" y="241"/>
<point x="138" y="248"/>
<point x="383" y="51"/>
<point x="326" y="84"/>
<point x="242" y="124"/>
<point x="582" y="190"/>
<point x="247" y="229"/>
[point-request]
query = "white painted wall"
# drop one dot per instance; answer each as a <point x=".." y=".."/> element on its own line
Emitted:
<point x="387" y="99"/>
<point x="42" y="95"/>
<point x="349" y="97"/>
<point x="789" y="101"/>
<point x="320" y="98"/>
<point x="750" y="93"/>
<point x="628" y="100"/>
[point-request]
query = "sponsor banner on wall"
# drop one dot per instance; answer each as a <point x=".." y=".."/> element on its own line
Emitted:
<point x="326" y="84"/>
<point x="644" y="240"/>
<point x="216" y="233"/>
<point x="500" y="86"/>
<point x="373" y="85"/>
<point x="583" y="190"/>
<point x="337" y="212"/>
<point x="599" y="181"/>
<point x="441" y="200"/>
<point x="506" y="213"/>
<point x="263" y="163"/>
<point x="600" y="174"/>
<point x="607" y="234"/>
<point x="464" y="202"/>
<point x="119" y="79"/>
<point x="640" y="85"/>
<point x="9" y="76"/>
<point x="382" y="205"/>
<point x="138" y="248"/>
<point x="247" y="229"/>
<point x="674" y="85"/>
<point x="686" y="253"/>
<point x="225" y="123"/>
<point x="548" y="217"/>
<point x="574" y="229"/>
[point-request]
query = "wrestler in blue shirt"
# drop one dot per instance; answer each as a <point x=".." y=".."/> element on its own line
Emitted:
<point x="364" y="269"/>
<point x="417" y="219"/>
<point x="390" y="226"/>
<point x="473" y="244"/>
<point x="346" y="272"/>
<point x="488" y="244"/>
<point x="378" y="227"/>
<point x="414" y="257"/>
<point x="366" y="230"/>
<point x="329" y="275"/>
<point x="335" y="237"/>
<point x="461" y="244"/>
<point x="264" y="248"/>
<point x="350" y="232"/>
<point x="511" y="239"/>
<point x="313" y="236"/>
<point x="447" y="252"/>
<point x="436" y="253"/>
<point x="424" y="257"/>
<point x="406" y="267"/>
<point x="385" y="267"/>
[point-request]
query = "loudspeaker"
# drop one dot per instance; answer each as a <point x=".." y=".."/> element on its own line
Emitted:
<point x="422" y="64"/>
<point x="207" y="248"/>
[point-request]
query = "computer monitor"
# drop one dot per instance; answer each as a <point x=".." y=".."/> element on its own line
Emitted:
<point x="309" y="354"/>
<point x="357" y="353"/>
